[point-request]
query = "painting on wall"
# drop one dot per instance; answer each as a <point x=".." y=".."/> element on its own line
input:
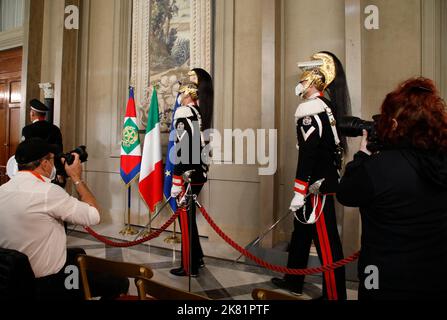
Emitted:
<point x="169" y="51"/>
<point x="169" y="37"/>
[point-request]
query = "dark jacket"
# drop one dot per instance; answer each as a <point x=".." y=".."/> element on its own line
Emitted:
<point x="317" y="147"/>
<point x="189" y="144"/>
<point x="402" y="195"/>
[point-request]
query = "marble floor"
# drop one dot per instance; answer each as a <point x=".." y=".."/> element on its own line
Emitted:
<point x="219" y="279"/>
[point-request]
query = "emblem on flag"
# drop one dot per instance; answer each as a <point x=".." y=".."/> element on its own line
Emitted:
<point x="130" y="161"/>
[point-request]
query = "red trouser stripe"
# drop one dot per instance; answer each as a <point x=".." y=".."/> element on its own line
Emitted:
<point x="331" y="260"/>
<point x="185" y="239"/>
<point x="331" y="284"/>
<point x="323" y="253"/>
<point x="326" y="254"/>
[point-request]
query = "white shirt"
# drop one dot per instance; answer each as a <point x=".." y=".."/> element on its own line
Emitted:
<point x="31" y="216"/>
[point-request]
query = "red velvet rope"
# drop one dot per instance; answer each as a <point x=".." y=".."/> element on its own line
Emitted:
<point x="151" y="236"/>
<point x="237" y="247"/>
<point x="272" y="267"/>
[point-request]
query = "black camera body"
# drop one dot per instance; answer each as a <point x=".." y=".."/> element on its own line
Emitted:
<point x="69" y="159"/>
<point x="353" y="127"/>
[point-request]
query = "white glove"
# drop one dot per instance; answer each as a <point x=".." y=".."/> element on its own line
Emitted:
<point x="177" y="186"/>
<point x="176" y="190"/>
<point x="297" y="202"/>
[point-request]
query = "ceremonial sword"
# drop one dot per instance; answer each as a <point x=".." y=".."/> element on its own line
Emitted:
<point x="313" y="190"/>
<point x="152" y="219"/>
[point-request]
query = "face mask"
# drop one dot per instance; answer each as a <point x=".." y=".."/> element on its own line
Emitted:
<point x="299" y="90"/>
<point x="12" y="167"/>
<point x="53" y="173"/>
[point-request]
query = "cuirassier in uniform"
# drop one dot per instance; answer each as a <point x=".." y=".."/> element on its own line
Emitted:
<point x="326" y="99"/>
<point x="190" y="143"/>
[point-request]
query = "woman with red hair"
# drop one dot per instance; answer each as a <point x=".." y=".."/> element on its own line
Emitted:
<point x="402" y="194"/>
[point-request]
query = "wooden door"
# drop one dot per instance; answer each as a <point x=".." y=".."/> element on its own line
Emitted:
<point x="10" y="99"/>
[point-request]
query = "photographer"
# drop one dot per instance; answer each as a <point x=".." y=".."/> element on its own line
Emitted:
<point x="401" y="191"/>
<point x="32" y="212"/>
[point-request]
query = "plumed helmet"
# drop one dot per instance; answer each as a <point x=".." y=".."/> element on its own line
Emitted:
<point x="319" y="72"/>
<point x="189" y="88"/>
<point x="326" y="73"/>
<point x="204" y="82"/>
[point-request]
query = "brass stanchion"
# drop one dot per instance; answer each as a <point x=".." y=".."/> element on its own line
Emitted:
<point x="128" y="231"/>
<point x="148" y="229"/>
<point x="174" y="238"/>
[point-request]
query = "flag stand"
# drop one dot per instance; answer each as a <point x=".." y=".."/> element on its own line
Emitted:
<point x="130" y="161"/>
<point x="149" y="227"/>
<point x="128" y="231"/>
<point x="174" y="238"/>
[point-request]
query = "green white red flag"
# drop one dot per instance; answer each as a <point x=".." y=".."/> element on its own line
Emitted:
<point x="151" y="175"/>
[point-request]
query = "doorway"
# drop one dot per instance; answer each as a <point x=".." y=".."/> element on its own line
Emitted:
<point x="10" y="99"/>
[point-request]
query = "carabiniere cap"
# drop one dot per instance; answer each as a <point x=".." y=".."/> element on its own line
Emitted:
<point x="38" y="106"/>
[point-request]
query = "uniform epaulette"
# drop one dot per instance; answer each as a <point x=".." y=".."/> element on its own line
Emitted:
<point x="310" y="108"/>
<point x="183" y="112"/>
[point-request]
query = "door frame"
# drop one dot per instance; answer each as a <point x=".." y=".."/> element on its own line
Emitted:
<point x="434" y="44"/>
<point x="8" y="78"/>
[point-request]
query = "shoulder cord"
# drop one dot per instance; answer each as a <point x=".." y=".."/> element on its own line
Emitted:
<point x="313" y="218"/>
<point x="333" y="124"/>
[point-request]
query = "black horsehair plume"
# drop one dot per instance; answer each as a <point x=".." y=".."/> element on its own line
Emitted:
<point x="339" y="95"/>
<point x="206" y="97"/>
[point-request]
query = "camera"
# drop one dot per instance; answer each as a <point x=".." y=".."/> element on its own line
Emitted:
<point x="353" y="127"/>
<point x="69" y="159"/>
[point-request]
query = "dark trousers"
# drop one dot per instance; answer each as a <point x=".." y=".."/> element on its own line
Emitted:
<point x="101" y="285"/>
<point x="195" y="247"/>
<point x="325" y="235"/>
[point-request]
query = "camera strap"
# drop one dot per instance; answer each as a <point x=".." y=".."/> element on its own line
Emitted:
<point x="37" y="175"/>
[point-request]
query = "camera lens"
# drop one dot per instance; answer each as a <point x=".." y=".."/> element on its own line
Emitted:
<point x="352" y="126"/>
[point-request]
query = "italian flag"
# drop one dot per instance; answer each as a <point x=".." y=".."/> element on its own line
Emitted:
<point x="151" y="175"/>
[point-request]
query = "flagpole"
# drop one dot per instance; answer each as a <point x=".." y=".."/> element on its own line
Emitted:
<point x="148" y="227"/>
<point x="128" y="231"/>
<point x="173" y="239"/>
<point x="150" y="219"/>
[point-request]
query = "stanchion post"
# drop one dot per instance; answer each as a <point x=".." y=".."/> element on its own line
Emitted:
<point x="128" y="230"/>
<point x="190" y="218"/>
<point x="148" y="228"/>
<point x="173" y="239"/>
<point x="150" y="220"/>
